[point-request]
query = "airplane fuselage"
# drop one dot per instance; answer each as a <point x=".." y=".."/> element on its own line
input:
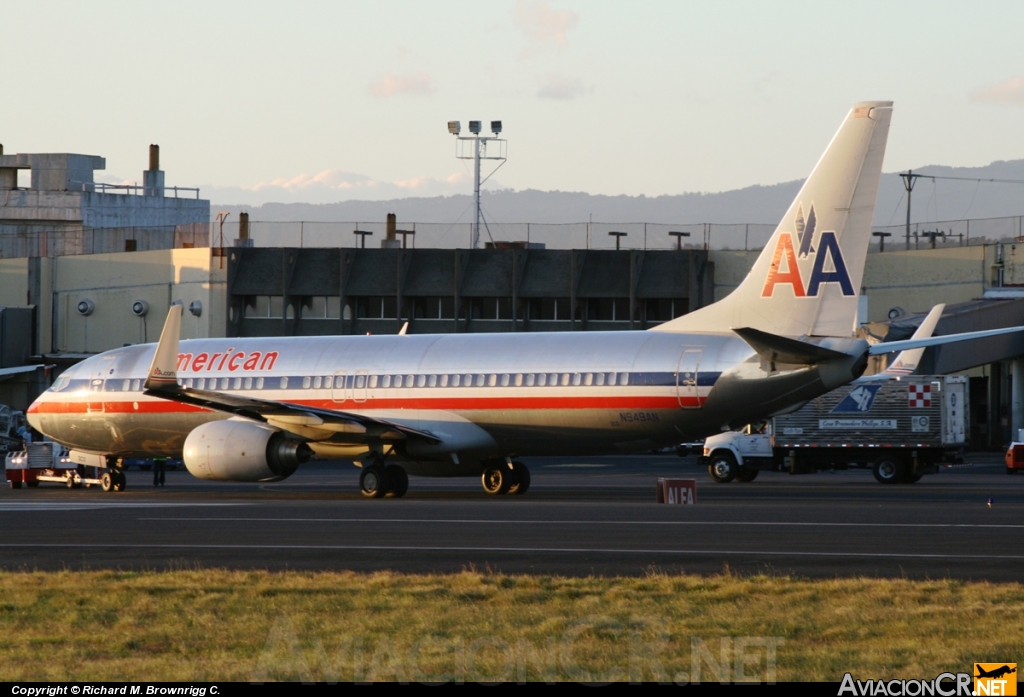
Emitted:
<point x="525" y="394"/>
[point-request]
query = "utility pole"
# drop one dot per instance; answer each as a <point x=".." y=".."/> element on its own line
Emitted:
<point x="909" y="179"/>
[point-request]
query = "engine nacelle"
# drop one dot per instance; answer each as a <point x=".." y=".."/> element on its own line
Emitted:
<point x="242" y="451"/>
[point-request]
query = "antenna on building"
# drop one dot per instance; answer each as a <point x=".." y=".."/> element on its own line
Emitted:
<point x="475" y="148"/>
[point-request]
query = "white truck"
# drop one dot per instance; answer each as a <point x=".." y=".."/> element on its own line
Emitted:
<point x="901" y="429"/>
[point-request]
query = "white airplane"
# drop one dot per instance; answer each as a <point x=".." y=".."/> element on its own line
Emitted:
<point x="254" y="409"/>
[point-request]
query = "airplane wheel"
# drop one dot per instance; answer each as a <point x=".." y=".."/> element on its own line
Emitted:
<point x="746" y="474"/>
<point x="398" y="481"/>
<point x="521" y="474"/>
<point x="107" y="482"/>
<point x="373" y="482"/>
<point x="497" y="480"/>
<point x="120" y="481"/>
<point x="890" y="471"/>
<point x="723" y="467"/>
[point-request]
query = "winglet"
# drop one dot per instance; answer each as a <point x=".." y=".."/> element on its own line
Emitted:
<point x="164" y="370"/>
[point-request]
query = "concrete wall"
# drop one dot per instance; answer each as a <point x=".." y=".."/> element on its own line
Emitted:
<point x="113" y="282"/>
<point x="91" y="209"/>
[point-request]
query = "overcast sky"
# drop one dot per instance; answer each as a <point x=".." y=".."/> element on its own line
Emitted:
<point x="325" y="101"/>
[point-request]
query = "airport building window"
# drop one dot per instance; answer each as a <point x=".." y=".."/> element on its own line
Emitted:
<point x="664" y="309"/>
<point x="431" y="308"/>
<point x="608" y="309"/>
<point x="264" y="306"/>
<point x="321" y="307"/>
<point x="376" y="307"/>
<point x="489" y="308"/>
<point x="548" y="309"/>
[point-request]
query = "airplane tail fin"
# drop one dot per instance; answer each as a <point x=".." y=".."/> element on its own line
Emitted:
<point x="807" y="279"/>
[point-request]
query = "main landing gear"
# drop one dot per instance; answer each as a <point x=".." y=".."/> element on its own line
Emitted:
<point x="506" y="478"/>
<point x="380" y="480"/>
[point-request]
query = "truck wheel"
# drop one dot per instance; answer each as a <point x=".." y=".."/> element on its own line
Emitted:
<point x="746" y="474"/>
<point x="723" y="467"/>
<point x="889" y="470"/>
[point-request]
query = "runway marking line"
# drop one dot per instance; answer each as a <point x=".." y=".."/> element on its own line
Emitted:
<point x="463" y="521"/>
<point x="533" y="550"/>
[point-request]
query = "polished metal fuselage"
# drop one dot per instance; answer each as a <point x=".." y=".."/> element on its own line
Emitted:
<point x="601" y="392"/>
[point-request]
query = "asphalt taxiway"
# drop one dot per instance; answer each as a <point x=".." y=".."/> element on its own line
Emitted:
<point x="582" y="516"/>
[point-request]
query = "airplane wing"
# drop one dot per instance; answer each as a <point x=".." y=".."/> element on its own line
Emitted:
<point x="308" y="422"/>
<point x="893" y="346"/>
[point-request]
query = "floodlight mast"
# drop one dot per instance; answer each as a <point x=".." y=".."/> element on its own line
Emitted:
<point x="479" y="146"/>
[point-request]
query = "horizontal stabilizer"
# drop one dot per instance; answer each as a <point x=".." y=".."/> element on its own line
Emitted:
<point x="782" y="349"/>
<point x="892" y="346"/>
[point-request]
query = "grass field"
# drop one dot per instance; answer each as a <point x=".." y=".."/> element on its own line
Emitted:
<point x="232" y="625"/>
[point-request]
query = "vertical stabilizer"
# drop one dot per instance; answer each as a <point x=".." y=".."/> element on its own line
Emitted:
<point x="807" y="279"/>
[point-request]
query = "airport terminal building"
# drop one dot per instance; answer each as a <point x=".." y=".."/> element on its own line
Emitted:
<point x="84" y="270"/>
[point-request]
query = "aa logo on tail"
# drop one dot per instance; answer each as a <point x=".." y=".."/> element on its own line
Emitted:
<point x="828" y="264"/>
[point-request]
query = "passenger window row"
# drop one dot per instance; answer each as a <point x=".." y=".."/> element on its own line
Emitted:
<point x="362" y="381"/>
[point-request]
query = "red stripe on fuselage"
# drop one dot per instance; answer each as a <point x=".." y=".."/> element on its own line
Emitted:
<point x="149" y="406"/>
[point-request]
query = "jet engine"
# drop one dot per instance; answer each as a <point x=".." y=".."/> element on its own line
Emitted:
<point x="242" y="451"/>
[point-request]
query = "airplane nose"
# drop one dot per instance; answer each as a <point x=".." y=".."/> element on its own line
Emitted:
<point x="32" y="415"/>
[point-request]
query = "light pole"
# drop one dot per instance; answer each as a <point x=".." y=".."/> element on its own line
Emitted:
<point x="477" y="145"/>
<point x="618" y="238"/>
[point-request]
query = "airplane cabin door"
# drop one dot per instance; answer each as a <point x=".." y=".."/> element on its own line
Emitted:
<point x="686" y="379"/>
<point x="339" y="392"/>
<point x="97" y="386"/>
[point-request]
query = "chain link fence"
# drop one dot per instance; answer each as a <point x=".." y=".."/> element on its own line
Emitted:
<point x="39" y="240"/>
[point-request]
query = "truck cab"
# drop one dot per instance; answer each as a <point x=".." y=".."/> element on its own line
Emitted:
<point x="734" y="455"/>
